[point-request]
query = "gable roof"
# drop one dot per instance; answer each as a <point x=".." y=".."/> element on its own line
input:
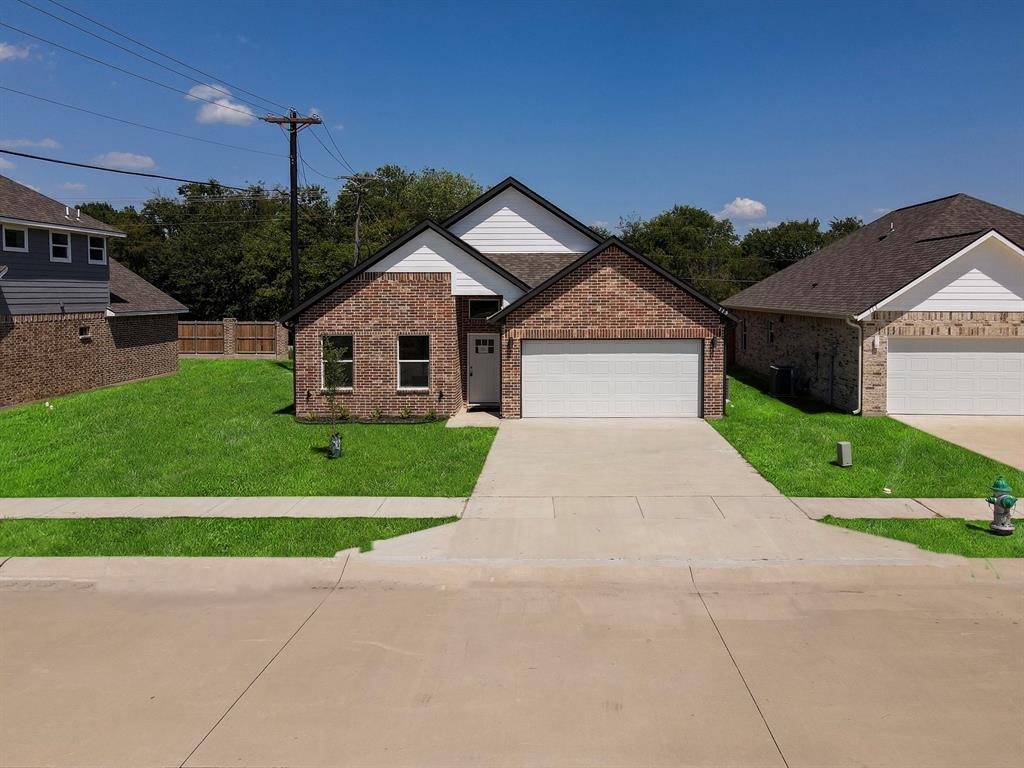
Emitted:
<point x="533" y="268"/>
<point x="864" y="268"/>
<point x="597" y="251"/>
<point x="131" y="295"/>
<point x="518" y="186"/>
<point x="391" y="248"/>
<point x="26" y="206"/>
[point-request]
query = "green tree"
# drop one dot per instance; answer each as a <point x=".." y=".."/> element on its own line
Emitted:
<point x="839" y="228"/>
<point x="690" y="243"/>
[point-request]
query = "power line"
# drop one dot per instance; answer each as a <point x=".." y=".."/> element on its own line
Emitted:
<point x="165" y="55"/>
<point x="139" y="55"/>
<point x="247" y="112"/>
<point x="331" y="137"/>
<point x="141" y="125"/>
<point x="331" y="154"/>
<point x="114" y="170"/>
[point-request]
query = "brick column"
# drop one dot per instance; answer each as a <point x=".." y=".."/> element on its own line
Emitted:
<point x="281" y="342"/>
<point x="230" y="329"/>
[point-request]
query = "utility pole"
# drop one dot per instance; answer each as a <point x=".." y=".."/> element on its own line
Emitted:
<point x="359" y="183"/>
<point x="295" y="124"/>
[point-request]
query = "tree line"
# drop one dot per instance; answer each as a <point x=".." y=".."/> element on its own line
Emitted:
<point x="225" y="253"/>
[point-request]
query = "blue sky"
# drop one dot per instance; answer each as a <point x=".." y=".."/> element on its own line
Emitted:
<point x="795" y="109"/>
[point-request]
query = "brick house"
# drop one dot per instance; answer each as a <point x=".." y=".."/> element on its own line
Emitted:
<point x="510" y="304"/>
<point x="918" y="312"/>
<point x="71" y="317"/>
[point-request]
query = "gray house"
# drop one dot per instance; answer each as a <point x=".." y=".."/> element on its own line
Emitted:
<point x="71" y="317"/>
<point x="918" y="312"/>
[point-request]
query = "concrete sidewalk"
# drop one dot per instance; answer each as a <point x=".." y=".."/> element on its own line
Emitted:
<point x="357" y="662"/>
<point x="721" y="507"/>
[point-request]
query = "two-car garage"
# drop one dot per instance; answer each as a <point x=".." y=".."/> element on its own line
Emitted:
<point x="612" y="378"/>
<point x="955" y="375"/>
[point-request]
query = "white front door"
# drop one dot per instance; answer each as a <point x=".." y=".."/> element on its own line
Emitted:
<point x="620" y="378"/>
<point x="484" y="368"/>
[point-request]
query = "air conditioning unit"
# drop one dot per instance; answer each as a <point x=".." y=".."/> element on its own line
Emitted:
<point x="783" y="380"/>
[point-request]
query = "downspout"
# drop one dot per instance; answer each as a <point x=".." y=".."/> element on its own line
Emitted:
<point x="860" y="363"/>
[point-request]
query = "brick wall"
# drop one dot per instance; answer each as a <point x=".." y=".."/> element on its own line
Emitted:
<point x="375" y="309"/>
<point x="933" y="324"/>
<point x="41" y="356"/>
<point x="613" y="296"/>
<point x="823" y="351"/>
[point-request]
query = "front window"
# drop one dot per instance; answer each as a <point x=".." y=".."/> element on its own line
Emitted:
<point x="15" y="239"/>
<point x="483" y="308"/>
<point x="60" y="246"/>
<point x="743" y="335"/>
<point x="413" y="362"/>
<point x="97" y="250"/>
<point x="337" y="361"/>
<point x="771" y="331"/>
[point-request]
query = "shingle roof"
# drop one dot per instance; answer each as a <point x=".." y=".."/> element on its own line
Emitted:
<point x="131" y="295"/>
<point x="857" y="272"/>
<point x="20" y="202"/>
<point x="533" y="268"/>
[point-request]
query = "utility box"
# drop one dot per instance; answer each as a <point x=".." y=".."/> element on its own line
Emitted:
<point x="844" y="454"/>
<point x="782" y="380"/>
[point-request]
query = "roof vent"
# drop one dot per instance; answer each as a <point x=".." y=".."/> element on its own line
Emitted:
<point x="78" y="213"/>
<point x="892" y="227"/>
<point x="67" y="212"/>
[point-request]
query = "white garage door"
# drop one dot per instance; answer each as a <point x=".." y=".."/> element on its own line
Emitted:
<point x="611" y="378"/>
<point x="956" y="375"/>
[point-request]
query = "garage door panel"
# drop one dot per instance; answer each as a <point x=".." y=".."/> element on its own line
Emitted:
<point x="611" y="378"/>
<point x="956" y="376"/>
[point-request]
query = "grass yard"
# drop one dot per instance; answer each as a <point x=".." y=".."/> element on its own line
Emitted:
<point x="222" y="428"/>
<point x="970" y="538"/>
<point x="201" y="536"/>
<point x="793" y="445"/>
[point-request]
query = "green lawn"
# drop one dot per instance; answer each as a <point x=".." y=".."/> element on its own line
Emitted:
<point x="201" y="536"/>
<point x="970" y="538"/>
<point x="222" y="428"/>
<point x="793" y="445"/>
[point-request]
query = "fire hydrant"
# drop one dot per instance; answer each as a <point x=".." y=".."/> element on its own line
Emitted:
<point x="1002" y="503"/>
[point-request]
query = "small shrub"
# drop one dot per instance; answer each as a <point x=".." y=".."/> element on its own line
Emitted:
<point x="377" y="413"/>
<point x="344" y="414"/>
<point x="405" y="413"/>
<point x="432" y="414"/>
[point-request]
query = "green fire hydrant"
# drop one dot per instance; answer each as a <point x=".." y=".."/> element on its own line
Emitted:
<point x="1002" y="502"/>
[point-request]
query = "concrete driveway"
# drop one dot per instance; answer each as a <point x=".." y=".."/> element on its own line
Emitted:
<point x="615" y="457"/>
<point x="998" y="437"/>
<point x="134" y="662"/>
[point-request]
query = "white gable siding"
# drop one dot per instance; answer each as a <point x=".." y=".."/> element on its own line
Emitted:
<point x="513" y="223"/>
<point x="429" y="252"/>
<point x="988" y="278"/>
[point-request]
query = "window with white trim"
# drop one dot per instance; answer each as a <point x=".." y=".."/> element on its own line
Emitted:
<point x="413" y="362"/>
<point x="60" y="246"/>
<point x="337" y="361"/>
<point x="97" y="250"/>
<point x="15" y="238"/>
<point x="771" y="331"/>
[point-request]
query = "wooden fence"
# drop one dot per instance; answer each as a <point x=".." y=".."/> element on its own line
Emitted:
<point x="231" y="338"/>
<point x="255" y="338"/>
<point x="200" y="338"/>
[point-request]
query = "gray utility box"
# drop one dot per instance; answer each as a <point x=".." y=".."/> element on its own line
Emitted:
<point x="844" y="454"/>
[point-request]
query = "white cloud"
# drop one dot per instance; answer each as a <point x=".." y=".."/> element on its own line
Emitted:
<point x="600" y="223"/>
<point x="21" y="143"/>
<point x="743" y="208"/>
<point x="339" y="127"/>
<point x="5" y="164"/>
<point x="315" y="111"/>
<point x="218" y="106"/>
<point x="880" y="211"/>
<point x="73" y="186"/>
<point x="125" y="160"/>
<point x="11" y="52"/>
<point x="33" y="188"/>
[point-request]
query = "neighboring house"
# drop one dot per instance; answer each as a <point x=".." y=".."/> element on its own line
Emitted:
<point x="919" y="312"/>
<point x="71" y="317"/>
<point x="514" y="304"/>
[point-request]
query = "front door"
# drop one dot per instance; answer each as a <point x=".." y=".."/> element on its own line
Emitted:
<point x="484" y="364"/>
